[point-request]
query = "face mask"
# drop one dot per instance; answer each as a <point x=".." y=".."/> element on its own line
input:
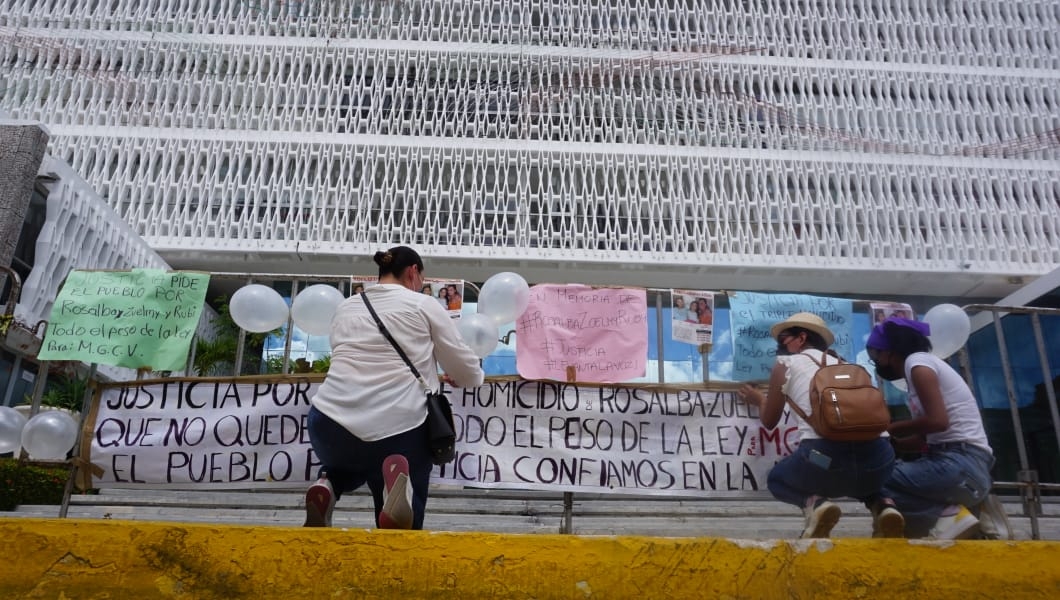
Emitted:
<point x="888" y="373"/>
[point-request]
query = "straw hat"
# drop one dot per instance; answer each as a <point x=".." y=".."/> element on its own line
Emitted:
<point x="807" y="321"/>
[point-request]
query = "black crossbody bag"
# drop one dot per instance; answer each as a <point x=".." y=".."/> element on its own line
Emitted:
<point x="441" y="434"/>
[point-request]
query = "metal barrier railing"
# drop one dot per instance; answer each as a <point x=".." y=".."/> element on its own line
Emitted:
<point x="1028" y="484"/>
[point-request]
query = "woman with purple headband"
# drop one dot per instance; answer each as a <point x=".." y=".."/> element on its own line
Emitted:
<point x="935" y="492"/>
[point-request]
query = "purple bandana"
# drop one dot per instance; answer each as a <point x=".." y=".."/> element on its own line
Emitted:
<point x="878" y="339"/>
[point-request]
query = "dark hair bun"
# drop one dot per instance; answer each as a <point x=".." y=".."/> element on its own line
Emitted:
<point x="395" y="260"/>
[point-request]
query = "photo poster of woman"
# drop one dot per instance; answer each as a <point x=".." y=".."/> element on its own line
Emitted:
<point x="359" y="282"/>
<point x="448" y="292"/>
<point x="692" y="316"/>
<point x="881" y="310"/>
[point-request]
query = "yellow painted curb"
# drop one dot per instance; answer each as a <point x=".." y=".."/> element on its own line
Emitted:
<point x="71" y="559"/>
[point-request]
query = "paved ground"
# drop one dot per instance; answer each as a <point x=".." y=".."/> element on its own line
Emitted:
<point x="501" y="511"/>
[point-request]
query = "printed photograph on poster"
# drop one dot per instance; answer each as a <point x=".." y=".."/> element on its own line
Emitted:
<point x="448" y="292"/>
<point x="882" y="310"/>
<point x="358" y="283"/>
<point x="693" y="316"/>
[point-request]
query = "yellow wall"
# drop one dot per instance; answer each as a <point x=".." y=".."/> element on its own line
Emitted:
<point x="71" y="559"/>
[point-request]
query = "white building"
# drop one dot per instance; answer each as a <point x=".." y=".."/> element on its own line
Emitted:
<point x="67" y="226"/>
<point x="875" y="148"/>
<point x="887" y="147"/>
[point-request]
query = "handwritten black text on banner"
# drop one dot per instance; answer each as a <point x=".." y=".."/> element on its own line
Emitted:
<point x="139" y="318"/>
<point x="511" y="434"/>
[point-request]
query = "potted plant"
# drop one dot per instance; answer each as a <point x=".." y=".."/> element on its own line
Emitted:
<point x="64" y="392"/>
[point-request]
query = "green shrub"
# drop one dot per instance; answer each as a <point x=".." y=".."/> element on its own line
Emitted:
<point x="65" y="392"/>
<point x="322" y="364"/>
<point x="30" y="484"/>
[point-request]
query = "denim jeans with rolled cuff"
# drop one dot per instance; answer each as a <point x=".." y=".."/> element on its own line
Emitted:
<point x="948" y="474"/>
<point x="351" y="462"/>
<point x="854" y="469"/>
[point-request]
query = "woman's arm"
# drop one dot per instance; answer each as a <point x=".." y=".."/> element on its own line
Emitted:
<point x="456" y="359"/>
<point x="935" y="418"/>
<point x="770" y="406"/>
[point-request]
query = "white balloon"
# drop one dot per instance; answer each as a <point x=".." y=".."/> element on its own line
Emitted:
<point x="314" y="307"/>
<point x="950" y="327"/>
<point x="504" y="297"/>
<point x="11" y="424"/>
<point x="49" y="435"/>
<point x="258" y="308"/>
<point x="479" y="333"/>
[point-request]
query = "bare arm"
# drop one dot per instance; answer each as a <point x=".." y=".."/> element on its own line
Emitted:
<point x="771" y="405"/>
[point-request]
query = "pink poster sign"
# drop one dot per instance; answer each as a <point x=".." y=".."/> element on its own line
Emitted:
<point x="572" y="331"/>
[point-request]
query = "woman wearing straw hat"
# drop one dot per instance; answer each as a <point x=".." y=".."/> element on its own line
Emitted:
<point x="819" y="469"/>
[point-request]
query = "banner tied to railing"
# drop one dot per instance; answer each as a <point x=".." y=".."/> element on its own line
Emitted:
<point x="513" y="434"/>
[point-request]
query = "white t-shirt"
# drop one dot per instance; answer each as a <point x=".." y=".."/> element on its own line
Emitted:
<point x="369" y="390"/>
<point x="966" y="424"/>
<point x="797" y="386"/>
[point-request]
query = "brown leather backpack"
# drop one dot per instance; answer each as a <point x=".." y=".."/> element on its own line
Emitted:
<point x="846" y="406"/>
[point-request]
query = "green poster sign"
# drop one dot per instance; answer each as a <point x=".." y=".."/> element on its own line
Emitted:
<point x="144" y="318"/>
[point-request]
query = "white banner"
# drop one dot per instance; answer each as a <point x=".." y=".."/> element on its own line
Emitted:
<point x="511" y="434"/>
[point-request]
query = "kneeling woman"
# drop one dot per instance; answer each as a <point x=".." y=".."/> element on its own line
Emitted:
<point x="936" y="491"/>
<point x="819" y="469"/>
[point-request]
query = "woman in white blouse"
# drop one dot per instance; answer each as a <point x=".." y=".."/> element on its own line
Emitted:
<point x="367" y="423"/>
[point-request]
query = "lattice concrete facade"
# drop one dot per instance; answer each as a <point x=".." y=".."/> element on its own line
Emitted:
<point x="859" y="146"/>
<point x="82" y="232"/>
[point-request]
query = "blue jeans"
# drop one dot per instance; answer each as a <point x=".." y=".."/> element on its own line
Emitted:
<point x="948" y="474"/>
<point x="832" y="470"/>
<point x="349" y="462"/>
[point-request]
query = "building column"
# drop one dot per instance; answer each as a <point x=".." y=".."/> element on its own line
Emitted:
<point x="22" y="146"/>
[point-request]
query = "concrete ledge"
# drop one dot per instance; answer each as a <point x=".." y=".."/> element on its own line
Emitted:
<point x="74" y="559"/>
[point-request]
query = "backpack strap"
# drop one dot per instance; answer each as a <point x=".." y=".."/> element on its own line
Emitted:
<point x="824" y="361"/>
<point x="820" y="363"/>
<point x="795" y="407"/>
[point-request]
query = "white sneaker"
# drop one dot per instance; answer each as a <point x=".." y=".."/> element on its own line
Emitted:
<point x="993" y="522"/>
<point x="889" y="523"/>
<point x="957" y="526"/>
<point x="821" y="519"/>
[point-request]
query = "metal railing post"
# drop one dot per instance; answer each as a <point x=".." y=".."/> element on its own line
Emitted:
<point x="1028" y="482"/>
<point x="659" y="338"/>
<point x="1047" y="379"/>
<point x="1010" y="389"/>
<point x="1031" y="494"/>
<point x="567" y="526"/>
<point x="241" y="341"/>
<point x="287" y="339"/>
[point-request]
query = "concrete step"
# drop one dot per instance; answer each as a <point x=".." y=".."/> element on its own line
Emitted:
<point x="501" y="511"/>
